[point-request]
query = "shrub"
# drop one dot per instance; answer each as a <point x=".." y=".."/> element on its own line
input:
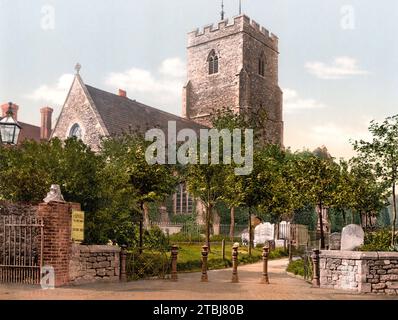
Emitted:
<point x="183" y="237"/>
<point x="296" y="267"/>
<point x="153" y="238"/>
<point x="378" y="241"/>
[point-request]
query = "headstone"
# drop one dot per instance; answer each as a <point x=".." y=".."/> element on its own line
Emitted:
<point x="284" y="230"/>
<point x="263" y="233"/>
<point x="335" y="241"/>
<point x="54" y="194"/>
<point x="245" y="237"/>
<point x="280" y="243"/>
<point x="352" y="237"/>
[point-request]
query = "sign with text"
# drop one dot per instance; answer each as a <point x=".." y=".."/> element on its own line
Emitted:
<point x="77" y="226"/>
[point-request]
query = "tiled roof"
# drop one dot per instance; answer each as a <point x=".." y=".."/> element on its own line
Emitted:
<point x="29" y="132"/>
<point x="123" y="115"/>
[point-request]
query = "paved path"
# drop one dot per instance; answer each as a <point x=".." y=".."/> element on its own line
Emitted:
<point x="281" y="287"/>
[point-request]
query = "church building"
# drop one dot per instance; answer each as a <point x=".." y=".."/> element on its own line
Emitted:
<point x="232" y="65"/>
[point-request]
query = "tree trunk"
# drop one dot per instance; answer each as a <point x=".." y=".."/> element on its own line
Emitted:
<point x="321" y="226"/>
<point x="209" y="209"/>
<point x="366" y="222"/>
<point x="394" y="217"/>
<point x="344" y="218"/>
<point x="146" y="216"/>
<point x="232" y="226"/>
<point x="250" y="232"/>
<point x="141" y="228"/>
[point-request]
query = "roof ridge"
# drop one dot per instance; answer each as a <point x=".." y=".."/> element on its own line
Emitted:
<point x="142" y="104"/>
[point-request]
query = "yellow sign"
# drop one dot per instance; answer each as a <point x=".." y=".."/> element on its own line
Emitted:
<point x="78" y="226"/>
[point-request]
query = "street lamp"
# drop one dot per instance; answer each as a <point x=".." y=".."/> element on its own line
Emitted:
<point x="9" y="128"/>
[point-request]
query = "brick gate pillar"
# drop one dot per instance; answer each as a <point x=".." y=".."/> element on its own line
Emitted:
<point x="57" y="248"/>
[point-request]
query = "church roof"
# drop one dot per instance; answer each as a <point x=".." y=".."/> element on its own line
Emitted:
<point x="123" y="115"/>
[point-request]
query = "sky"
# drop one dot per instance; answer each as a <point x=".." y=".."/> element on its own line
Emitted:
<point x="338" y="59"/>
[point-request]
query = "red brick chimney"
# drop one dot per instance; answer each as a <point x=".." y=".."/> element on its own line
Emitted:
<point x="122" y="93"/>
<point x="46" y="123"/>
<point x="4" y="109"/>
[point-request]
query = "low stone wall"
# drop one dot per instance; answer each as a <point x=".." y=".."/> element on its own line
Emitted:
<point x="90" y="264"/>
<point x="363" y="272"/>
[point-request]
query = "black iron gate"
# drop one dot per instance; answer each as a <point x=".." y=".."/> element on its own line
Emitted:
<point x="21" y="247"/>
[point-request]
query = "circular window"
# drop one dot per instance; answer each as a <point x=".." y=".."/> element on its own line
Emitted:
<point x="75" y="131"/>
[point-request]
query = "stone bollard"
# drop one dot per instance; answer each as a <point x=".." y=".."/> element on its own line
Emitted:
<point x="174" y="254"/>
<point x="235" y="278"/>
<point x="123" y="258"/>
<point x="265" y="279"/>
<point x="205" y="253"/>
<point x="315" y="263"/>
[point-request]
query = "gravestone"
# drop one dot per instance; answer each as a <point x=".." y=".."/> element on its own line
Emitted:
<point x="284" y="230"/>
<point x="352" y="237"/>
<point x="335" y="241"/>
<point x="263" y="232"/>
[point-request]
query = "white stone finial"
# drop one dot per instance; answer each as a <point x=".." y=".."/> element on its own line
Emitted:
<point x="54" y="194"/>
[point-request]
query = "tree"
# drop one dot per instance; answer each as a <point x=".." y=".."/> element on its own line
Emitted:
<point x="382" y="154"/>
<point x="317" y="180"/>
<point x="146" y="183"/>
<point x="206" y="182"/>
<point x="368" y="195"/>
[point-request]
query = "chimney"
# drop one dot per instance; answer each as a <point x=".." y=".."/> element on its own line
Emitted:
<point x="122" y="93"/>
<point x="4" y="109"/>
<point x="46" y="123"/>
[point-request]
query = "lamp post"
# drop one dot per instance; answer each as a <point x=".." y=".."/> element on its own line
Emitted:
<point x="9" y="128"/>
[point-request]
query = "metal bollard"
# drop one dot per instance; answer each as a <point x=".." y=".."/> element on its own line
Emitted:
<point x="235" y="278"/>
<point x="315" y="263"/>
<point x="174" y="254"/>
<point x="123" y="258"/>
<point x="205" y="253"/>
<point x="290" y="251"/>
<point x="265" y="279"/>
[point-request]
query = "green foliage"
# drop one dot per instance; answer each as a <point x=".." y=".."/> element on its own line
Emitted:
<point x="378" y="241"/>
<point x="336" y="218"/>
<point x="296" y="267"/>
<point x="381" y="154"/>
<point x="186" y="237"/>
<point x="383" y="220"/>
<point x="306" y="216"/>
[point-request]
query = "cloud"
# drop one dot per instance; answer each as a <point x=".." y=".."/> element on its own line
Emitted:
<point x="292" y="102"/>
<point x="341" y="68"/>
<point x="54" y="94"/>
<point x="161" y="89"/>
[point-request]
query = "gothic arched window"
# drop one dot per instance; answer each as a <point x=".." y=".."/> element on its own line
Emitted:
<point x="75" y="131"/>
<point x="261" y="65"/>
<point x="183" y="201"/>
<point x="213" y="62"/>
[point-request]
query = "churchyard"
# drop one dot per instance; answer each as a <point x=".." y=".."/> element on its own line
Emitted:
<point x="102" y="220"/>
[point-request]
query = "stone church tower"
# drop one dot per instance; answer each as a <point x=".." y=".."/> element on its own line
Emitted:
<point x="235" y="66"/>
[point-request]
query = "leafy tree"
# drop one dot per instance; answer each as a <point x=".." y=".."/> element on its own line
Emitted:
<point x="146" y="183"/>
<point x="368" y="195"/>
<point x="317" y="180"/>
<point x="382" y="154"/>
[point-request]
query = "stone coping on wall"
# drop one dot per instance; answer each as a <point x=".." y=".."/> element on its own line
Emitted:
<point x="96" y="248"/>
<point x="358" y="255"/>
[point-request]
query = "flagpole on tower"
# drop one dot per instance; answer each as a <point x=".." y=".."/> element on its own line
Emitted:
<point x="240" y="7"/>
<point x="222" y="10"/>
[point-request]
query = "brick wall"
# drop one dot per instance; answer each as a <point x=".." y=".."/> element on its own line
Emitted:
<point x="94" y="264"/>
<point x="57" y="219"/>
<point x="363" y="272"/>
